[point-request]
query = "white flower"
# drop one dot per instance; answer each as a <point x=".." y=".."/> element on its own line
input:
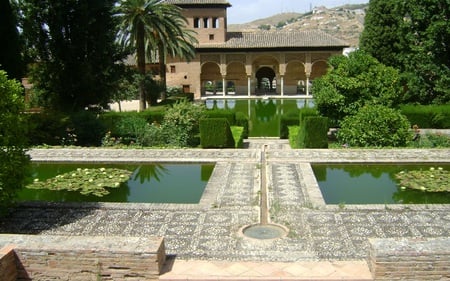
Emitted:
<point x="432" y="169"/>
<point x="102" y="169"/>
<point x="91" y="180"/>
<point x="36" y="180"/>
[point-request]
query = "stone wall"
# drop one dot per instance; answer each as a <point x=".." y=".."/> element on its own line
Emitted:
<point x="8" y="269"/>
<point x="40" y="257"/>
<point x="410" y="259"/>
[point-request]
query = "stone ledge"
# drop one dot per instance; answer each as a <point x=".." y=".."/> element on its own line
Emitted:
<point x="41" y="257"/>
<point x="410" y="258"/>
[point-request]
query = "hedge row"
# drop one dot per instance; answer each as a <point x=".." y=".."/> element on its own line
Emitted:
<point x="313" y="133"/>
<point x="428" y="116"/>
<point x="216" y="133"/>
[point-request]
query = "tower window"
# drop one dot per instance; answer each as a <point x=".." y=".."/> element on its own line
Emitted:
<point x="196" y="23"/>
<point x="205" y="22"/>
<point x="173" y="69"/>
<point x="211" y="37"/>
<point x="215" y="23"/>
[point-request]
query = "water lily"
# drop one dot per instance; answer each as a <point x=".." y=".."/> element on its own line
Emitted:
<point x="102" y="169"/>
<point x="36" y="180"/>
<point x="91" y="180"/>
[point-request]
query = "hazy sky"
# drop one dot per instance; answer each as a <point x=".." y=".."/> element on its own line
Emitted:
<point x="243" y="11"/>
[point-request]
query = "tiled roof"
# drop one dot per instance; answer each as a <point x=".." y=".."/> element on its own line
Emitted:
<point x="272" y="39"/>
<point x="198" y="2"/>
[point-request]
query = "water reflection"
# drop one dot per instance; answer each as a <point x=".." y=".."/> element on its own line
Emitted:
<point x="264" y="114"/>
<point x="149" y="183"/>
<point x="371" y="184"/>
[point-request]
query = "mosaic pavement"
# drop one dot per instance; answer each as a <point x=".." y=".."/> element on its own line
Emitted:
<point x="210" y="230"/>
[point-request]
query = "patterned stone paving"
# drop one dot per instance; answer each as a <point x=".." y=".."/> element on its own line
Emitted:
<point x="211" y="230"/>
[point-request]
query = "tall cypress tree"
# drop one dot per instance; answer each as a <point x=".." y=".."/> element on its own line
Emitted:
<point x="412" y="36"/>
<point x="10" y="56"/>
<point x="74" y="45"/>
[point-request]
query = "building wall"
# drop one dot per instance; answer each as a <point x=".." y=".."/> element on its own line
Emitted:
<point x="294" y="68"/>
<point x="216" y="20"/>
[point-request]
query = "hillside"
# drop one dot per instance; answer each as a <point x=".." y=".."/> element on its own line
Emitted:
<point x="344" y="22"/>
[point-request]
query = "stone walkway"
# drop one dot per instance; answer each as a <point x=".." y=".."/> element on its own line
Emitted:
<point x="210" y="230"/>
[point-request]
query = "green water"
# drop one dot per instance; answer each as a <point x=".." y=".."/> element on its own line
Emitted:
<point x="149" y="183"/>
<point x="371" y="184"/>
<point x="264" y="114"/>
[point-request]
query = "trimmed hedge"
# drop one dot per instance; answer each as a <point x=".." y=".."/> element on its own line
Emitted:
<point x="222" y="113"/>
<point x="242" y="121"/>
<point x="112" y="119"/>
<point x="289" y="119"/>
<point x="216" y="133"/>
<point x="313" y="133"/>
<point x="307" y="112"/>
<point x="428" y="116"/>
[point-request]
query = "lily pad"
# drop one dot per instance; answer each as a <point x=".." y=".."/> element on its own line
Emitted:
<point x="432" y="180"/>
<point x="86" y="181"/>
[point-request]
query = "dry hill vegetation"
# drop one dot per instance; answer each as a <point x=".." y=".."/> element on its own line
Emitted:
<point x="344" y="22"/>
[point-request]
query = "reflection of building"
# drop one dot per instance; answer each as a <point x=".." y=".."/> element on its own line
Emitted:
<point x="248" y="63"/>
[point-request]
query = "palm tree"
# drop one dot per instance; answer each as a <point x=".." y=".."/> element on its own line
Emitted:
<point x="149" y="25"/>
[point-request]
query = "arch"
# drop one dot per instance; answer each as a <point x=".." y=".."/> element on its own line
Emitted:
<point x="266" y="78"/>
<point x="295" y="78"/>
<point x="236" y="77"/>
<point x="210" y="77"/>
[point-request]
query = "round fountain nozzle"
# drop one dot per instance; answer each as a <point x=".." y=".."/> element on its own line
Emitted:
<point x="264" y="231"/>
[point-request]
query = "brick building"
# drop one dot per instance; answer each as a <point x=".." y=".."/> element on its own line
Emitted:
<point x="247" y="63"/>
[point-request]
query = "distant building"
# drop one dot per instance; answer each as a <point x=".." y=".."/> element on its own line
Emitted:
<point x="247" y="63"/>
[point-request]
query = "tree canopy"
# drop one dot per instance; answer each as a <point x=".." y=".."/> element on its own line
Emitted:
<point x="354" y="81"/>
<point x="72" y="43"/>
<point x="10" y="51"/>
<point x="152" y="26"/>
<point x="13" y="142"/>
<point x="414" y="37"/>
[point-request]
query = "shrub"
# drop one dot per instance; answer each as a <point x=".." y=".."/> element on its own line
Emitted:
<point x="375" y="126"/>
<point x="291" y="118"/>
<point x="313" y="133"/>
<point x="307" y="112"/>
<point x="222" y="113"/>
<point x="48" y="127"/>
<point x="133" y="129"/>
<point x="428" y="116"/>
<point x="14" y="162"/>
<point x="181" y="124"/>
<point x="216" y="133"/>
<point x="242" y="121"/>
<point x="87" y="127"/>
<point x="238" y="136"/>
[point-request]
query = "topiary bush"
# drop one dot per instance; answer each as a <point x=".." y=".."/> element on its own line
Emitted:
<point x="88" y="128"/>
<point x="289" y="119"/>
<point x="242" y="121"/>
<point x="313" y="133"/>
<point x="375" y="126"/>
<point x="14" y="162"/>
<point x="216" y="133"/>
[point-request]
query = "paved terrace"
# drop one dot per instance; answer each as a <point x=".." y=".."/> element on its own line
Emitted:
<point x="210" y="230"/>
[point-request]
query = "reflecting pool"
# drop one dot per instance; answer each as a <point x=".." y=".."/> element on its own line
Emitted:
<point x="148" y="183"/>
<point x="264" y="114"/>
<point x="372" y="184"/>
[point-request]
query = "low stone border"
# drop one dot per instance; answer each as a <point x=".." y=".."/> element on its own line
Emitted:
<point x="410" y="259"/>
<point x="42" y="257"/>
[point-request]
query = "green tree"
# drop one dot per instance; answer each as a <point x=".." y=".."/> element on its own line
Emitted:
<point x="10" y="51"/>
<point x="153" y="27"/>
<point x="74" y="48"/>
<point x="14" y="161"/>
<point x="353" y="82"/>
<point x="414" y="37"/>
<point x="375" y="126"/>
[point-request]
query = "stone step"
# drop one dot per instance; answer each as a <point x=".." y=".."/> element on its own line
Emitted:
<point x="178" y="270"/>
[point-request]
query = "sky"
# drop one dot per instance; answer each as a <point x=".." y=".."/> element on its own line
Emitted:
<point x="243" y="11"/>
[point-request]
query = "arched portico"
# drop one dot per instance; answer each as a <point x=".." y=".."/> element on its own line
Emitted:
<point x="266" y="82"/>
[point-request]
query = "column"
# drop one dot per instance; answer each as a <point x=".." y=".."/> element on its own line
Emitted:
<point x="249" y="85"/>
<point x="282" y="85"/>
<point x="224" y="85"/>
<point x="307" y="84"/>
